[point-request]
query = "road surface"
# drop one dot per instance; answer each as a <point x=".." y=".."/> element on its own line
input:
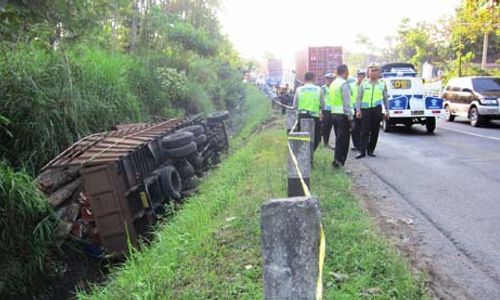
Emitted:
<point x="449" y="182"/>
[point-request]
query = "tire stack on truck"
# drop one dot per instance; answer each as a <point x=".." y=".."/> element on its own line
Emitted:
<point x="109" y="188"/>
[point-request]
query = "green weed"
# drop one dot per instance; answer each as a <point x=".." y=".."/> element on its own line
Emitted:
<point x="27" y="233"/>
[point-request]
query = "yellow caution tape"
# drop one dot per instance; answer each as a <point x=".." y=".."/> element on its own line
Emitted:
<point x="299" y="138"/>
<point x="322" y="248"/>
<point x="294" y="125"/>
<point x="302" y="182"/>
<point x="322" y="243"/>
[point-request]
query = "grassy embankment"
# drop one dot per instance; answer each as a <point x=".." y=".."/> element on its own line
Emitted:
<point x="211" y="248"/>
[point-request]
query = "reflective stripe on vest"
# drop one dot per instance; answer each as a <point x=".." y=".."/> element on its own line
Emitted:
<point x="309" y="99"/>
<point x="336" y="96"/>
<point x="373" y="94"/>
<point x="326" y="94"/>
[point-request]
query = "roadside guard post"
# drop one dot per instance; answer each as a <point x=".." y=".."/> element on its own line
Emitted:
<point x="291" y="118"/>
<point x="307" y="125"/>
<point x="293" y="241"/>
<point x="299" y="165"/>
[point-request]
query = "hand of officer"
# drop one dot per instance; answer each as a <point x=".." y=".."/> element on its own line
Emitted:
<point x="358" y="115"/>
<point x="321" y="117"/>
<point x="386" y="116"/>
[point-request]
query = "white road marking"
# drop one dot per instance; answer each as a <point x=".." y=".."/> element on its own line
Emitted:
<point x="473" y="134"/>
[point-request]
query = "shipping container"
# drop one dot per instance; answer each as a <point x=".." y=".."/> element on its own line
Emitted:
<point x="272" y="70"/>
<point x="319" y="60"/>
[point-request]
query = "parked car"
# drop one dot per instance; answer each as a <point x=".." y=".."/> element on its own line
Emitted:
<point x="476" y="98"/>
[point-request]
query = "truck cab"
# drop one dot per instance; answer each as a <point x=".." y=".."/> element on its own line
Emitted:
<point x="408" y="104"/>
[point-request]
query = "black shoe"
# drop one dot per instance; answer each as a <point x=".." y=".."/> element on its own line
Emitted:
<point x="371" y="154"/>
<point x="360" y="155"/>
<point x="355" y="149"/>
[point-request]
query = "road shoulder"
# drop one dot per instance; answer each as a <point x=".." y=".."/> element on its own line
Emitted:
<point x="451" y="274"/>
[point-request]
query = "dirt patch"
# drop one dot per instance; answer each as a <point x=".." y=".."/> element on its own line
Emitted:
<point x="450" y="274"/>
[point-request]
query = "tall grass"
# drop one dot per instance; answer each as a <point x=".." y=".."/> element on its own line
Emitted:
<point x="27" y="233"/>
<point x="52" y="98"/>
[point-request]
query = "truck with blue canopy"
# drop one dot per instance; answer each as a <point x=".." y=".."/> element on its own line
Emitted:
<point x="408" y="103"/>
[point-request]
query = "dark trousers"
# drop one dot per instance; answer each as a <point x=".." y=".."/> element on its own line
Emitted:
<point x="317" y="127"/>
<point x="341" y="137"/>
<point x="356" y="133"/>
<point x="326" y="126"/>
<point x="370" y="127"/>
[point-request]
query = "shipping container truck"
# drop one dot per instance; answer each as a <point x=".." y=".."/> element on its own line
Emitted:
<point x="272" y="70"/>
<point x="319" y="60"/>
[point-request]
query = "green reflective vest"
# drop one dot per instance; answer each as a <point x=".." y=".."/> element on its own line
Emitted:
<point x="309" y="99"/>
<point x="373" y="94"/>
<point x="326" y="95"/>
<point x="336" y="95"/>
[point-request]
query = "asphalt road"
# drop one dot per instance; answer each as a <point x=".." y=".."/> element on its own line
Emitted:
<point x="453" y="179"/>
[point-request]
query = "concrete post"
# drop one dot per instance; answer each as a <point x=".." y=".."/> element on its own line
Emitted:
<point x="291" y="237"/>
<point x="291" y="118"/>
<point x="299" y="143"/>
<point x="307" y="125"/>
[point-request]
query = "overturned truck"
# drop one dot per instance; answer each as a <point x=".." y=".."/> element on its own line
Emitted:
<point x="109" y="188"/>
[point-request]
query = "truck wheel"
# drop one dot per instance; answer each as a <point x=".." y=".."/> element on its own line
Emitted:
<point x="178" y="139"/>
<point x="475" y="118"/>
<point x="387" y="125"/>
<point x="217" y="117"/>
<point x="430" y="125"/>
<point x="195" y="129"/>
<point x="448" y="115"/>
<point x="173" y="182"/>
<point x="181" y="151"/>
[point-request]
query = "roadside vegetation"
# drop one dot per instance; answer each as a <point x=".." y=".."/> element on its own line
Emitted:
<point x="453" y="44"/>
<point x="70" y="70"/>
<point x="211" y="248"/>
<point x="28" y="229"/>
<point x="63" y="78"/>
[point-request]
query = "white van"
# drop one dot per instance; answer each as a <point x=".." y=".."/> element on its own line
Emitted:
<point x="408" y="103"/>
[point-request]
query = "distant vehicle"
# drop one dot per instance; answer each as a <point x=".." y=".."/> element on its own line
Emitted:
<point x="476" y="98"/>
<point x="272" y="70"/>
<point x="407" y="102"/>
<point x="319" y="60"/>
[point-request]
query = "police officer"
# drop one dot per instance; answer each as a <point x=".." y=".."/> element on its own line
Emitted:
<point x="342" y="115"/>
<point x="309" y="103"/>
<point x="372" y="94"/>
<point x="326" y="114"/>
<point x="354" y="87"/>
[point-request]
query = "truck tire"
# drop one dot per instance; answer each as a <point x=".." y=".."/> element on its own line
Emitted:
<point x="430" y="125"/>
<point x="185" y="169"/>
<point x="182" y="151"/>
<point x="177" y="139"/>
<point x="387" y="125"/>
<point x="162" y="174"/>
<point x="217" y="117"/>
<point x="448" y="115"/>
<point x="200" y="140"/>
<point x="195" y="129"/>
<point x="173" y="183"/>
<point x="196" y="161"/>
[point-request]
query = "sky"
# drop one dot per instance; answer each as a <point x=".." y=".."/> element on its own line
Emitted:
<point x="283" y="27"/>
